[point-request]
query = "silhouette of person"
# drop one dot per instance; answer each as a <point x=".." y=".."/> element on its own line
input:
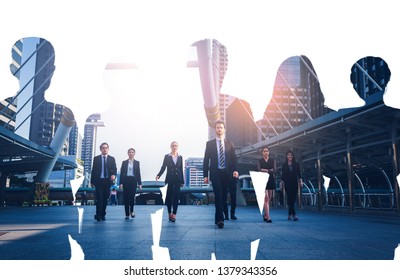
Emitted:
<point x="290" y="105"/>
<point x="370" y="76"/>
<point x="33" y="65"/>
<point x="27" y="113"/>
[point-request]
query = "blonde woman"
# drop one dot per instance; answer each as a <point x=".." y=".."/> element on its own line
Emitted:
<point x="174" y="164"/>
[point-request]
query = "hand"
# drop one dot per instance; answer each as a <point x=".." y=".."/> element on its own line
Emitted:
<point x="206" y="180"/>
<point x="235" y="174"/>
<point x="112" y="177"/>
<point x="120" y="186"/>
<point x="140" y="187"/>
<point x="157" y="177"/>
<point x="300" y="183"/>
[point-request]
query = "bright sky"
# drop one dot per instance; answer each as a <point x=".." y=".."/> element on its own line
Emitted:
<point x="161" y="101"/>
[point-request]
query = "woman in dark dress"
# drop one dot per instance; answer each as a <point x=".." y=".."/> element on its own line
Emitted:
<point x="291" y="180"/>
<point x="267" y="164"/>
<point x="174" y="178"/>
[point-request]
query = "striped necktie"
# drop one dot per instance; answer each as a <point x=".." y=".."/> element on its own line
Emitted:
<point x="221" y="154"/>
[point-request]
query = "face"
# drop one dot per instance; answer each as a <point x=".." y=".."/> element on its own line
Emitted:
<point x="265" y="152"/>
<point x="219" y="129"/>
<point x="174" y="146"/>
<point x="104" y="149"/>
<point x="289" y="156"/>
<point x="131" y="154"/>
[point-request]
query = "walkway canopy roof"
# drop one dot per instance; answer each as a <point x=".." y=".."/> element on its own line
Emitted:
<point x="368" y="132"/>
<point x="19" y="155"/>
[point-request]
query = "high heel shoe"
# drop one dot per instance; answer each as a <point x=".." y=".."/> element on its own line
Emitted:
<point x="267" y="220"/>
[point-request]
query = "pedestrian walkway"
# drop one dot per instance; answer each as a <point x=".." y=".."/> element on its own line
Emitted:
<point x="41" y="233"/>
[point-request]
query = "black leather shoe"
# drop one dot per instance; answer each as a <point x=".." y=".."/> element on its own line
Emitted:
<point x="97" y="218"/>
<point x="103" y="218"/>
<point x="220" y="224"/>
<point x="233" y="217"/>
<point x="226" y="217"/>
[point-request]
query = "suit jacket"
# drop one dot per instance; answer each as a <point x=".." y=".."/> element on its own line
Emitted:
<point x="136" y="171"/>
<point x="96" y="169"/>
<point x="290" y="177"/>
<point x="174" y="171"/>
<point x="210" y="162"/>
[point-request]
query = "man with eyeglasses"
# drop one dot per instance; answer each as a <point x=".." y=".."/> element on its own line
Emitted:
<point x="103" y="175"/>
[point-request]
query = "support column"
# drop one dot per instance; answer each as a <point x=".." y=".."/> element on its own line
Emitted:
<point x="3" y="181"/>
<point x="395" y="169"/>
<point x="320" y="182"/>
<point x="299" y="188"/>
<point x="350" y="176"/>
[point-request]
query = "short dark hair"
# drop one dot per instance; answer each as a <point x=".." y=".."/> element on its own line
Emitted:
<point x="131" y="149"/>
<point x="220" y="122"/>
<point x="104" y="143"/>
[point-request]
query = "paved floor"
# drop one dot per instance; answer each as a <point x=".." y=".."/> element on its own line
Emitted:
<point x="41" y="233"/>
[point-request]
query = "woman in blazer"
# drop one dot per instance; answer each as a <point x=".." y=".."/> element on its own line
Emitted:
<point x="174" y="178"/>
<point x="130" y="179"/>
<point x="292" y="182"/>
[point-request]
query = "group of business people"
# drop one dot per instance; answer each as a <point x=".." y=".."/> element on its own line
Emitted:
<point x="220" y="164"/>
<point x="104" y="173"/>
<point x="219" y="168"/>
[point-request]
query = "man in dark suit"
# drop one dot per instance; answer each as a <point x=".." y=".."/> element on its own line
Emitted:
<point x="103" y="175"/>
<point x="220" y="160"/>
<point x="130" y="179"/>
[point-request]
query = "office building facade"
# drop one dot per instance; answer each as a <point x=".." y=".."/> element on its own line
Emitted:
<point x="194" y="172"/>
<point x="8" y="110"/>
<point x="296" y="99"/>
<point x="239" y="120"/>
<point x="369" y="75"/>
<point x="89" y="144"/>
